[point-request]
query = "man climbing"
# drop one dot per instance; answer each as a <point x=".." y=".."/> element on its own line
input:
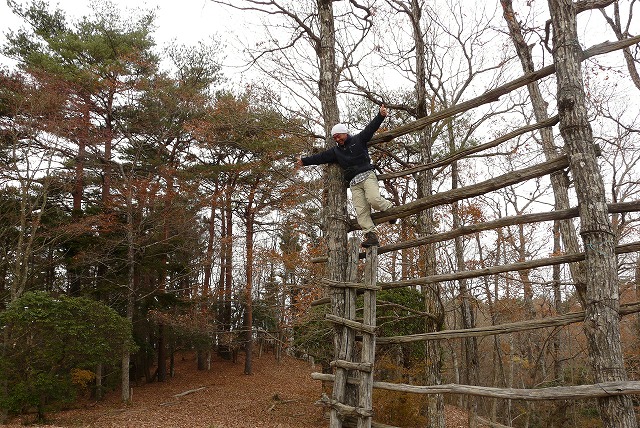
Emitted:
<point x="352" y="154"/>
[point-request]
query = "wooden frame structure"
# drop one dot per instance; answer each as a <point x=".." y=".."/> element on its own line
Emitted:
<point x="350" y="403"/>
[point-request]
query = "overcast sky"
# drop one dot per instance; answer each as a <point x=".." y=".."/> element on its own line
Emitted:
<point x="187" y="21"/>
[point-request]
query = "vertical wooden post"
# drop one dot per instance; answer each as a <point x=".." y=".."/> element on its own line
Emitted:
<point x="345" y="337"/>
<point x="365" y="396"/>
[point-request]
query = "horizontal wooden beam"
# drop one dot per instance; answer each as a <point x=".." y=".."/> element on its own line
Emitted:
<point x="453" y="276"/>
<point x="470" y="191"/>
<point x="351" y="324"/>
<point x="496" y="93"/>
<point x="605" y="389"/>
<point x="342" y="284"/>
<point x="471" y="150"/>
<point x="621" y="207"/>
<point x="514" y="327"/>
<point x="325" y="377"/>
<point x="574" y="392"/>
<point x="344" y="409"/>
<point x="493" y="270"/>
<point x="350" y="365"/>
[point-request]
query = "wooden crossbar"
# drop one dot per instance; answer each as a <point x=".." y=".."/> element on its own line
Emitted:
<point x="573" y="392"/>
<point x="343" y="284"/>
<point x="350" y="365"/>
<point x="351" y="324"/>
<point x="345" y="409"/>
<point x="557" y="321"/>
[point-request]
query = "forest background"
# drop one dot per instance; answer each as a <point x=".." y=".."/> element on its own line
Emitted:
<point x="159" y="181"/>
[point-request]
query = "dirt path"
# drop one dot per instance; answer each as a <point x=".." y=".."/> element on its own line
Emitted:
<point x="277" y="395"/>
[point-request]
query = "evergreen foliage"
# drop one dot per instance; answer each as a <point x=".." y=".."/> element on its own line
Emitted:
<point x="48" y="342"/>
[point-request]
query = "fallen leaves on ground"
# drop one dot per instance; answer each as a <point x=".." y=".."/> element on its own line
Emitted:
<point x="277" y="395"/>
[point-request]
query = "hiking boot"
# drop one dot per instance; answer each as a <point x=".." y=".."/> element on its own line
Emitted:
<point x="370" y="240"/>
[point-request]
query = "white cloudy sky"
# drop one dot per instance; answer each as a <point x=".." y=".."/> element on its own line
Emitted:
<point x="187" y="21"/>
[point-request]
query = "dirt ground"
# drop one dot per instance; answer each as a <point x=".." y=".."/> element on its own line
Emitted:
<point x="276" y="395"/>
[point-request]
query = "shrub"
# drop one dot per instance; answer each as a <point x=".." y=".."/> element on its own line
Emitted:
<point x="49" y="345"/>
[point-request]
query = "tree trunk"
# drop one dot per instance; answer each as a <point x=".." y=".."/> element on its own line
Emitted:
<point x="222" y="348"/>
<point x="468" y="321"/>
<point x="602" y="319"/>
<point x="73" y="269"/>
<point x="4" y="386"/>
<point x="432" y="302"/>
<point x="226" y="275"/>
<point x="248" y="302"/>
<point x="335" y="192"/>
<point x="336" y="202"/>
<point x="228" y="271"/>
<point x="208" y="267"/>
<point x="162" y="354"/>
<point x="637" y="289"/>
<point x="126" y="356"/>
<point x="559" y="182"/>
<point x="204" y="356"/>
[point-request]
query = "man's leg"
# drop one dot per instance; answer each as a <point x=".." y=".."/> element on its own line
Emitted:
<point x="372" y="194"/>
<point x="363" y="209"/>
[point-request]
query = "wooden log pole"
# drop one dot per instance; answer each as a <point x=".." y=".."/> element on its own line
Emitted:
<point x="574" y="392"/>
<point x="344" y="309"/>
<point x="365" y="390"/>
<point x="532" y="264"/>
<point x="515" y="327"/>
<point x="495" y="94"/>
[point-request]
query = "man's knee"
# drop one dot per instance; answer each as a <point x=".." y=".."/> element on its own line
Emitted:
<point x="381" y="204"/>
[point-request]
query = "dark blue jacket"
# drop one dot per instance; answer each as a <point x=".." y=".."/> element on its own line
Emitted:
<point x="353" y="157"/>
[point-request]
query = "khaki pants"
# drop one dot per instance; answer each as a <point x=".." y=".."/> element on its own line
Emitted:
<point x="364" y="196"/>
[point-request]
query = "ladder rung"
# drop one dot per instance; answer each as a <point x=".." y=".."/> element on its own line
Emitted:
<point x="325" y="377"/>
<point x="344" y="409"/>
<point x="352" y="324"/>
<point x="349" y="365"/>
<point x="357" y="285"/>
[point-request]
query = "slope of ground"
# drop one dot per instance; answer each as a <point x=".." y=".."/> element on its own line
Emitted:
<point x="277" y="395"/>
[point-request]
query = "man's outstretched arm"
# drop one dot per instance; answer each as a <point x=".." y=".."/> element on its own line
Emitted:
<point x="372" y="127"/>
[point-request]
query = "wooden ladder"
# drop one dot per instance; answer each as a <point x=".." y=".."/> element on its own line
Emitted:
<point x="353" y="382"/>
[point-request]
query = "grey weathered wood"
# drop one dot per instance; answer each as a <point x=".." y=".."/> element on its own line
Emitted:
<point x="550" y="261"/>
<point x="621" y="207"/>
<point x="472" y="150"/>
<point x="353" y="381"/>
<point x="602" y="323"/>
<point x="326" y="377"/>
<point x="365" y="390"/>
<point x="495" y="94"/>
<point x="557" y="321"/>
<point x="584" y="5"/>
<point x="344" y="308"/>
<point x="350" y="365"/>
<point x="351" y="324"/>
<point x="470" y="191"/>
<point x="569" y="213"/>
<point x="344" y="409"/>
<point x="357" y="285"/>
<point x="344" y="341"/>
<point x="574" y="392"/>
<point x="559" y="183"/>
